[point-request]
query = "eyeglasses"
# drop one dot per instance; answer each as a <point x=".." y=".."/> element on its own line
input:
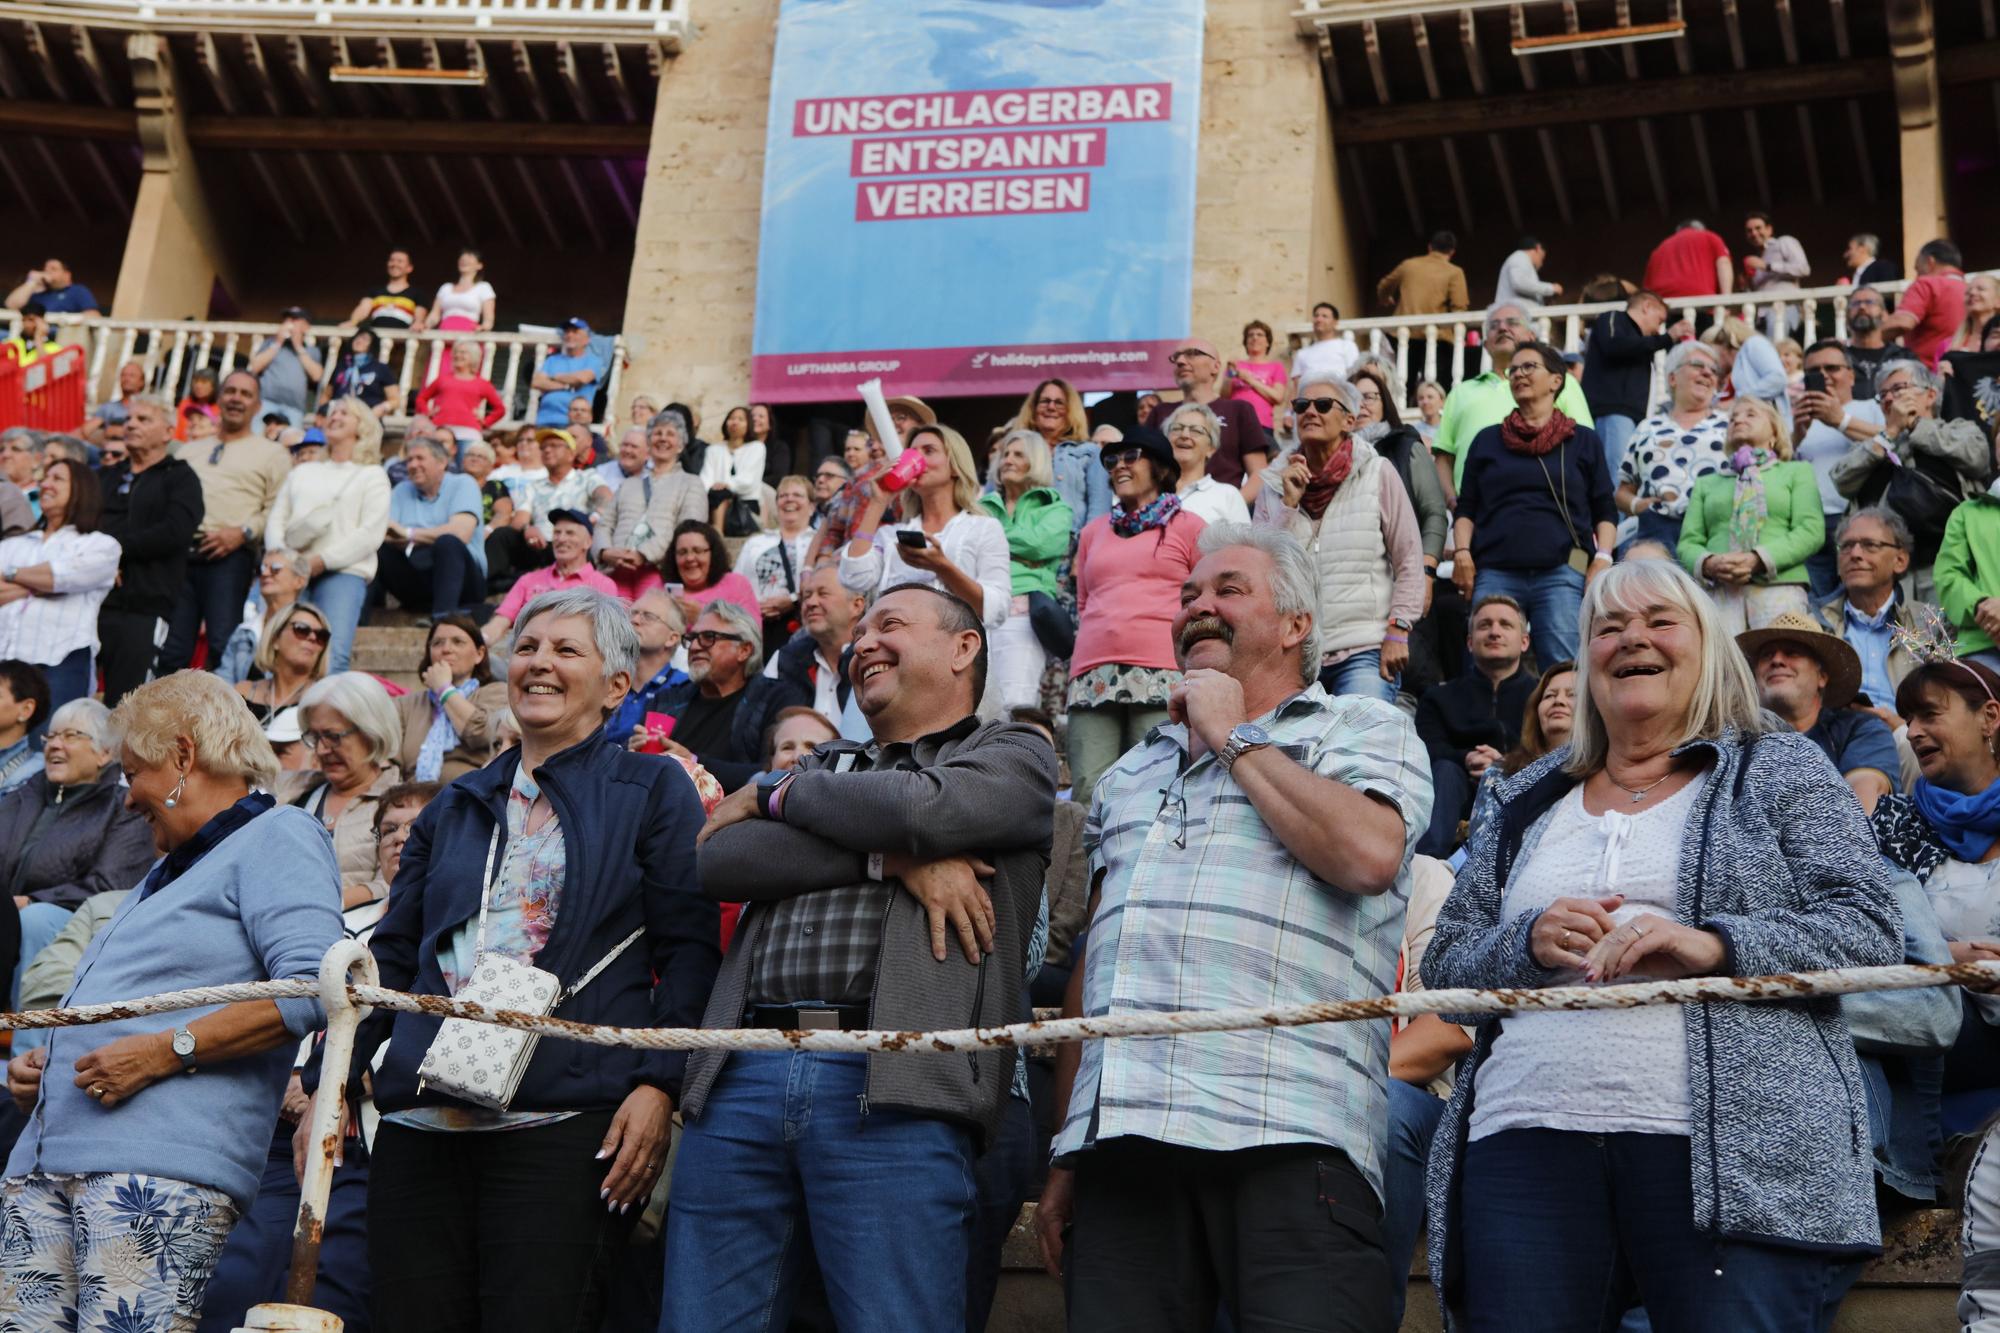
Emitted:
<point x="1370" y="396"/>
<point x="329" y="739"/>
<point x="1833" y="369"/>
<point x="1189" y="429"/>
<point x="649" y="618"/>
<point x="1866" y="545"/>
<point x="71" y="737"/>
<point x="1523" y="367"/>
<point x="1888" y="391"/>
<point x="311" y="633"/>
<point x="708" y="638"/>
<point x="1113" y="457"/>
<point x="270" y="567"/>
<point x="1300" y="406"/>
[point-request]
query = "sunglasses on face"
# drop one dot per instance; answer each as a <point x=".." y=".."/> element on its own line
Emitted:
<point x="1320" y="405"/>
<point x="708" y="638"/>
<point x="1113" y="457"/>
<point x="311" y="633"/>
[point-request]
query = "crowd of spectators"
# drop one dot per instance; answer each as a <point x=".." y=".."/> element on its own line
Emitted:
<point x="1269" y="645"/>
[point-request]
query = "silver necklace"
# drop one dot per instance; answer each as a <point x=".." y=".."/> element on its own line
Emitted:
<point x="1637" y="794"/>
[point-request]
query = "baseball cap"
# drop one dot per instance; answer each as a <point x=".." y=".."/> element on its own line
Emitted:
<point x="542" y="435"/>
<point x="576" y="322"/>
<point x="576" y="516"/>
<point x="295" y="312"/>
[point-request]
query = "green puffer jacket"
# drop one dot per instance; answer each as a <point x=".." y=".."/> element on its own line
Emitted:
<point x="1037" y="536"/>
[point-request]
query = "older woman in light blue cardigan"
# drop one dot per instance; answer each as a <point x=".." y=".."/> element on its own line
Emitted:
<point x="146" y="1136"/>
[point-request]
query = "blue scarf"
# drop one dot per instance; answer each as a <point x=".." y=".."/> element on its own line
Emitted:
<point x="1968" y="826"/>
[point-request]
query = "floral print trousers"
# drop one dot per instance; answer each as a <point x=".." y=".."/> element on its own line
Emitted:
<point x="107" y="1252"/>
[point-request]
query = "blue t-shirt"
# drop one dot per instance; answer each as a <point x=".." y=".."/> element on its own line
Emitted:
<point x="1857" y="740"/>
<point x="457" y="494"/>
<point x="554" y="407"/>
<point x="71" y="300"/>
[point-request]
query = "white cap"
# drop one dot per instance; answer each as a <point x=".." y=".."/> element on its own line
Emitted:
<point x="285" y="727"/>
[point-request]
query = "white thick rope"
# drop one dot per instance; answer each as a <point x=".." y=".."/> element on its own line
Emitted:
<point x="1407" y="1004"/>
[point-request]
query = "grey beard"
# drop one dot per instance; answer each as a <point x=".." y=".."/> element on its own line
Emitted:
<point x="1863" y="323"/>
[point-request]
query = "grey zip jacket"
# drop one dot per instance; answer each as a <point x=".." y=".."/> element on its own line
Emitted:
<point x="1779" y="861"/>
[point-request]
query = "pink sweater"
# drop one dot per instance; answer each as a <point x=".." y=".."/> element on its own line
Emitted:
<point x="1128" y="591"/>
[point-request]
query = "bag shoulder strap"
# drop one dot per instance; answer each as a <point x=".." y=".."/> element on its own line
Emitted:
<point x="1562" y="501"/>
<point x="486" y="894"/>
<point x="602" y="963"/>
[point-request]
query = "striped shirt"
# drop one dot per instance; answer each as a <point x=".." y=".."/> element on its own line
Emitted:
<point x="47" y="627"/>
<point x="1229" y="918"/>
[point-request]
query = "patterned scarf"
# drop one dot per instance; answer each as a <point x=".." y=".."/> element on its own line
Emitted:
<point x="1127" y="523"/>
<point x="1521" y="438"/>
<point x="1326" y="482"/>
<point x="1751" y="507"/>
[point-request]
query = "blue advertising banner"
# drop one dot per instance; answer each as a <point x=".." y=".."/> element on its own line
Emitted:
<point x="972" y="196"/>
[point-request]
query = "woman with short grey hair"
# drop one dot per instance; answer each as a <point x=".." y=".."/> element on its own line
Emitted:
<point x="1675" y="447"/>
<point x="353" y="733"/>
<point x="569" y="828"/>
<point x="649" y="508"/>
<point x="65" y="834"/>
<point x="1708" y="1161"/>
<point x="1195" y="433"/>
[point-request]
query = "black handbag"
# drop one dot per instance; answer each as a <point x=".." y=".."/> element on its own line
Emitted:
<point x="1054" y="627"/>
<point x="1924" y="503"/>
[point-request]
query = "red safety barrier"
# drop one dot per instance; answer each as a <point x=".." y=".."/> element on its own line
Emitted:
<point x="48" y="393"/>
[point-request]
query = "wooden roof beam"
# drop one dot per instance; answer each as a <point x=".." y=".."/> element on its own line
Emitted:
<point x="616" y="179"/>
<point x="1468" y="37"/>
<point x="451" y="199"/>
<point x="572" y="81"/>
<point x="93" y="64"/>
<point x="614" y="74"/>
<point x="590" y="222"/>
<point x="1752" y="132"/>
<point x="299" y="61"/>
<point x="489" y="87"/>
<point x="45" y="56"/>
<point x="260" y="73"/>
<point x="367" y="197"/>
<point x="1371" y="40"/>
<point x="1648" y="146"/>
<point x="1788" y="38"/>
<point x="1454" y="169"/>
<point x="500" y="208"/>
<point x="278" y="196"/>
<point x="1551" y="160"/>
<point x="21" y="191"/>
<point x="525" y="67"/>
<point x="404" y="98"/>
<point x="335" y="214"/>
<point x="210" y="61"/>
<point x="417" y="215"/>
<point x="541" y="204"/>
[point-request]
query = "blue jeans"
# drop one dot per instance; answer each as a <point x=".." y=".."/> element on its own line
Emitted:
<point x="213" y="597"/>
<point x="40" y="924"/>
<point x="340" y="597"/>
<point x="1413" y="1121"/>
<point x="1360" y="674"/>
<point x="785" y="1142"/>
<point x="1616" y="431"/>
<point x="75" y="677"/>
<point x="1562" y="1230"/>
<point x="1553" y="599"/>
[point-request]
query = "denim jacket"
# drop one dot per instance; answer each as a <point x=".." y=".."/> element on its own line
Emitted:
<point x="1082" y="483"/>
<point x="1778" y="861"/>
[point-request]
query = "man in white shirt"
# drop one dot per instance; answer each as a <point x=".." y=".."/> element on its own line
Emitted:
<point x="811" y="659"/>
<point x="1327" y="353"/>
<point x="1774" y="263"/>
<point x="1827" y="422"/>
<point x="1520" y="278"/>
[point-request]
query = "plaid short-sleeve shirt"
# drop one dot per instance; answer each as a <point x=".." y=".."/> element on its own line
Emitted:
<point x="1203" y="908"/>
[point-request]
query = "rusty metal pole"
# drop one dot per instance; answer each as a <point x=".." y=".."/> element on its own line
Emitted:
<point x="347" y="962"/>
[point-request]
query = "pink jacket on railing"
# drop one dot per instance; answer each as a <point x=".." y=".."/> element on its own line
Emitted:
<point x="1128" y="591"/>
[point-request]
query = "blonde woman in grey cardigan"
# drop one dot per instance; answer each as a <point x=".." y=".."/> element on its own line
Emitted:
<point x="1708" y="1161"/>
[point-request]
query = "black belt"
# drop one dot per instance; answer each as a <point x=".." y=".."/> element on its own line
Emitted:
<point x="808" y="1017"/>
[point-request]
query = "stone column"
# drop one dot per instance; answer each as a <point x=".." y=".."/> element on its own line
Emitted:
<point x="1913" y="61"/>
<point x="693" y="292"/>
<point x="1270" y="234"/>
<point x="174" y="251"/>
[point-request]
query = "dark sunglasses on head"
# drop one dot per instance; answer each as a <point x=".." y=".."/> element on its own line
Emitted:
<point x="311" y="633"/>
<point x="1319" y="405"/>
<point x="1113" y="457"/>
<point x="708" y="638"/>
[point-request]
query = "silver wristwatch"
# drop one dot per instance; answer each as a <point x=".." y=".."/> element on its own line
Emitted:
<point x="184" y="1048"/>
<point x="1243" y="738"/>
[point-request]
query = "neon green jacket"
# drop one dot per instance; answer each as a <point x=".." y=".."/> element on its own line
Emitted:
<point x="1037" y="536"/>
<point x="1795" y="529"/>
<point x="1968" y="568"/>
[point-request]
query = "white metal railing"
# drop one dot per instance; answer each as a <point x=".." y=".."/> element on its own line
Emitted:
<point x="170" y="350"/>
<point x="662" y="20"/>
<point x="1425" y="340"/>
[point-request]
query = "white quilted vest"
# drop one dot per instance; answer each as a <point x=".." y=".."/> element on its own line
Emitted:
<point x="1348" y="554"/>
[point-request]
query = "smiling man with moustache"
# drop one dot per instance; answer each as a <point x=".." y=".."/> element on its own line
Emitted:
<point x="1808" y="677"/>
<point x="890" y="885"/>
<point x="1254" y="851"/>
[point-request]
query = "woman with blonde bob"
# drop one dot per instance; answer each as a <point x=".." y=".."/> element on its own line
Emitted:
<point x="1708" y="1161"/>
<point x="290" y="656"/>
<point x="130" y="1173"/>
<point x="336" y="514"/>
<point x="963" y="548"/>
<point x="1751" y="527"/>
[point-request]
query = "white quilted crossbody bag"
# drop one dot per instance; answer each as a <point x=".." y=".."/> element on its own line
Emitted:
<point x="483" y="1063"/>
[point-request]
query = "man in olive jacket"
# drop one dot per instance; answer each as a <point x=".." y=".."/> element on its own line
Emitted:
<point x="890" y="885"/>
